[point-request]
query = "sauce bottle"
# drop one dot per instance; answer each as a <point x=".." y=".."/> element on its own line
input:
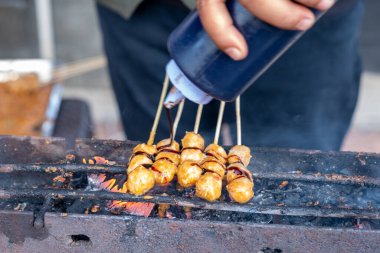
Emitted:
<point x="200" y="71"/>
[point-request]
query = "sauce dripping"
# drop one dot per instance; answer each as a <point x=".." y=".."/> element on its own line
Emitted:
<point x="170" y="120"/>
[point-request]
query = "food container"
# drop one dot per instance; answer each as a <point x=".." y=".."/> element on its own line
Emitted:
<point x="29" y="98"/>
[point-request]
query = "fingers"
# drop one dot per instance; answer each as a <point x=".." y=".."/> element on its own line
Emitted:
<point x="218" y="23"/>
<point x="321" y="5"/>
<point x="286" y="14"/>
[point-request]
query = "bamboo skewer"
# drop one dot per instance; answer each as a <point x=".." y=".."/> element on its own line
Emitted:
<point x="198" y="118"/>
<point x="238" y="120"/>
<point x="219" y="123"/>
<point x="159" y="110"/>
<point x="178" y="117"/>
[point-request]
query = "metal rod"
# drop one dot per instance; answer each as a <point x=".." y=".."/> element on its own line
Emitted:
<point x="117" y="169"/>
<point x="198" y="118"/>
<point x="45" y="29"/>
<point x="178" y="117"/>
<point x="219" y="123"/>
<point x="238" y="120"/>
<point x="159" y="110"/>
<point x="195" y="203"/>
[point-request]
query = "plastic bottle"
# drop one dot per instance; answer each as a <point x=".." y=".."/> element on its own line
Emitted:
<point x="200" y="71"/>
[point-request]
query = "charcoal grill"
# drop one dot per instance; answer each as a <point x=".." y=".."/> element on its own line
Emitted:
<point x="305" y="201"/>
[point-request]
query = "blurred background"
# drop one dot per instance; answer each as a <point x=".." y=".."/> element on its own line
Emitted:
<point x="67" y="32"/>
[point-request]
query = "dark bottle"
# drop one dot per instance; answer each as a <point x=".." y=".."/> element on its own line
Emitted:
<point x="199" y="69"/>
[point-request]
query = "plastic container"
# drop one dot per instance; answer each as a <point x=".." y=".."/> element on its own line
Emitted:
<point x="201" y="71"/>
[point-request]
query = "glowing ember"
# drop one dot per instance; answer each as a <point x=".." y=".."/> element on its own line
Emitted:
<point x="117" y="183"/>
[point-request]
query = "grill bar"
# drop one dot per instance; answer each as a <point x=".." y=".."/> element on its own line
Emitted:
<point x="194" y="202"/>
<point x="117" y="169"/>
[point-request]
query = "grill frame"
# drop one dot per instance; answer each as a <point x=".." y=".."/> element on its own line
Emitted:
<point x="135" y="234"/>
<point x="26" y="231"/>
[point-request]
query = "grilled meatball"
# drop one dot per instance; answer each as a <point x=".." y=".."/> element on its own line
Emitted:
<point x="209" y="186"/>
<point x="164" y="171"/>
<point x="140" y="180"/>
<point x="188" y="173"/>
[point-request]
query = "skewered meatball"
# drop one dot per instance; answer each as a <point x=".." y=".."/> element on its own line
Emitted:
<point x="192" y="147"/>
<point x="164" y="171"/>
<point x="169" y="149"/>
<point x="209" y="187"/>
<point x="188" y="173"/>
<point x="143" y="154"/>
<point x="210" y="164"/>
<point x="239" y="153"/>
<point x="237" y="170"/>
<point x="217" y="152"/>
<point x="140" y="180"/>
<point x="193" y="140"/>
<point x="191" y="154"/>
<point x="241" y="190"/>
<point x="148" y="149"/>
<point x="167" y="144"/>
<point x="239" y="179"/>
<point x="138" y="160"/>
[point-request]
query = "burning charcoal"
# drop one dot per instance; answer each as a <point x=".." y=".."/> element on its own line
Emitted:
<point x="95" y="208"/>
<point x="59" y="179"/>
<point x="70" y="158"/>
<point x="283" y="184"/>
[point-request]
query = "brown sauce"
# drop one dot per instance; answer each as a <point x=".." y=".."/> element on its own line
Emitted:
<point x="169" y="151"/>
<point x="151" y="157"/>
<point x="165" y="158"/>
<point x="154" y="169"/>
<point x="211" y="171"/>
<point x="212" y="155"/>
<point x="170" y="120"/>
<point x="195" y="164"/>
<point x="237" y="158"/>
<point x="215" y="161"/>
<point x="238" y="171"/>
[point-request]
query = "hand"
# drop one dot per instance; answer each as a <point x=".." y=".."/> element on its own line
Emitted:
<point x="285" y="14"/>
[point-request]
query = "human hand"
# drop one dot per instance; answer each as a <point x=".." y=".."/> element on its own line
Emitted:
<point x="285" y="14"/>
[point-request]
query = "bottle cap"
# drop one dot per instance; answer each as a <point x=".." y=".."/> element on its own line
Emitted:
<point x="184" y="85"/>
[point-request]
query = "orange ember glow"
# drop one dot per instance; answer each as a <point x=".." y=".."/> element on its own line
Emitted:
<point x="117" y="183"/>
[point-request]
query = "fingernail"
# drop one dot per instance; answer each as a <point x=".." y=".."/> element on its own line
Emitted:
<point x="234" y="53"/>
<point x="325" y="4"/>
<point x="305" y="24"/>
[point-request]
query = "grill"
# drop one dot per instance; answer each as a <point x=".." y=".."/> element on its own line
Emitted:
<point x="305" y="201"/>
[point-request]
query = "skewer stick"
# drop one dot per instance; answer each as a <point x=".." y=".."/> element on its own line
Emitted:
<point x="178" y="117"/>
<point x="159" y="110"/>
<point x="238" y="120"/>
<point x="219" y="123"/>
<point x="198" y="118"/>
